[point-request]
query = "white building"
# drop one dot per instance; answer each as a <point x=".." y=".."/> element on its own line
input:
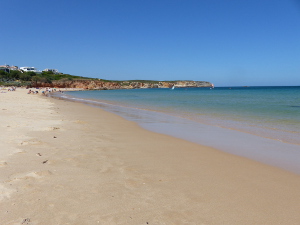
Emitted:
<point x="55" y="71"/>
<point x="29" y="69"/>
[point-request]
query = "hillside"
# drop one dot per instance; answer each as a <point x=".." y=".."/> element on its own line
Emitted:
<point x="49" y="79"/>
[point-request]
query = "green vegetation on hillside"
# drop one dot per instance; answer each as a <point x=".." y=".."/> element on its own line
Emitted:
<point x="18" y="78"/>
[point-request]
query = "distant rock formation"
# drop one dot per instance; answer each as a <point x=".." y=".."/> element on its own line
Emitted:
<point x="108" y="85"/>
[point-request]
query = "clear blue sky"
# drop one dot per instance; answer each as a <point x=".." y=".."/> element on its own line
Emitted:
<point x="227" y="42"/>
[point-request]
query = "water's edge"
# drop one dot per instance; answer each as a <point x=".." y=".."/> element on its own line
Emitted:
<point x="267" y="151"/>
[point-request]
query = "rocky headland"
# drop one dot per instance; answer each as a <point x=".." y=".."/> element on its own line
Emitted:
<point x="108" y="85"/>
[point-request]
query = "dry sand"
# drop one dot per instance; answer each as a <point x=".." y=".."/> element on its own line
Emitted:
<point x="66" y="163"/>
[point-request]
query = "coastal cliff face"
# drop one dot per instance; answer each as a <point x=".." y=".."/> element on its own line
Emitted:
<point x="108" y="85"/>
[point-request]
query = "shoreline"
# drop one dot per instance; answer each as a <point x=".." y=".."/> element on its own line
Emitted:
<point x="238" y="142"/>
<point x="82" y="165"/>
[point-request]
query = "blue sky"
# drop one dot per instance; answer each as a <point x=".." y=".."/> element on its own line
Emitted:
<point x="227" y="42"/>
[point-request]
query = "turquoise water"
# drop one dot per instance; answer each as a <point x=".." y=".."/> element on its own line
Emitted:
<point x="264" y="120"/>
<point x="272" y="112"/>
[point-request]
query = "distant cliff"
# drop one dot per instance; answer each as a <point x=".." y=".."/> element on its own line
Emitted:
<point x="107" y="85"/>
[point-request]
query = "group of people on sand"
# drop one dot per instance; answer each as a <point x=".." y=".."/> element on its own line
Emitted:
<point x="8" y="89"/>
<point x="44" y="92"/>
<point x="12" y="88"/>
<point x="32" y="92"/>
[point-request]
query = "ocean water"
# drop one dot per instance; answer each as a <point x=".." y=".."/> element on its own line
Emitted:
<point x="261" y="123"/>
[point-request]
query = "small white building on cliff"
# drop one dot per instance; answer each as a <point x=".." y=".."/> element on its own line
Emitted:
<point x="28" y="69"/>
<point x="55" y="71"/>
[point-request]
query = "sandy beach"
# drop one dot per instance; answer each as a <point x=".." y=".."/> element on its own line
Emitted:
<point x="67" y="163"/>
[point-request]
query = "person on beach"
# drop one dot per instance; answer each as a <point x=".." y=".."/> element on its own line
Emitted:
<point x="12" y="89"/>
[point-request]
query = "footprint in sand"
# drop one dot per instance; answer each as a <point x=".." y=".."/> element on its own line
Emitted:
<point x="30" y="175"/>
<point x="2" y="164"/>
<point x="32" y="142"/>
<point x="51" y="129"/>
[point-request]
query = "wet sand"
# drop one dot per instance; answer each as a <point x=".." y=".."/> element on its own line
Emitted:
<point x="67" y="163"/>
